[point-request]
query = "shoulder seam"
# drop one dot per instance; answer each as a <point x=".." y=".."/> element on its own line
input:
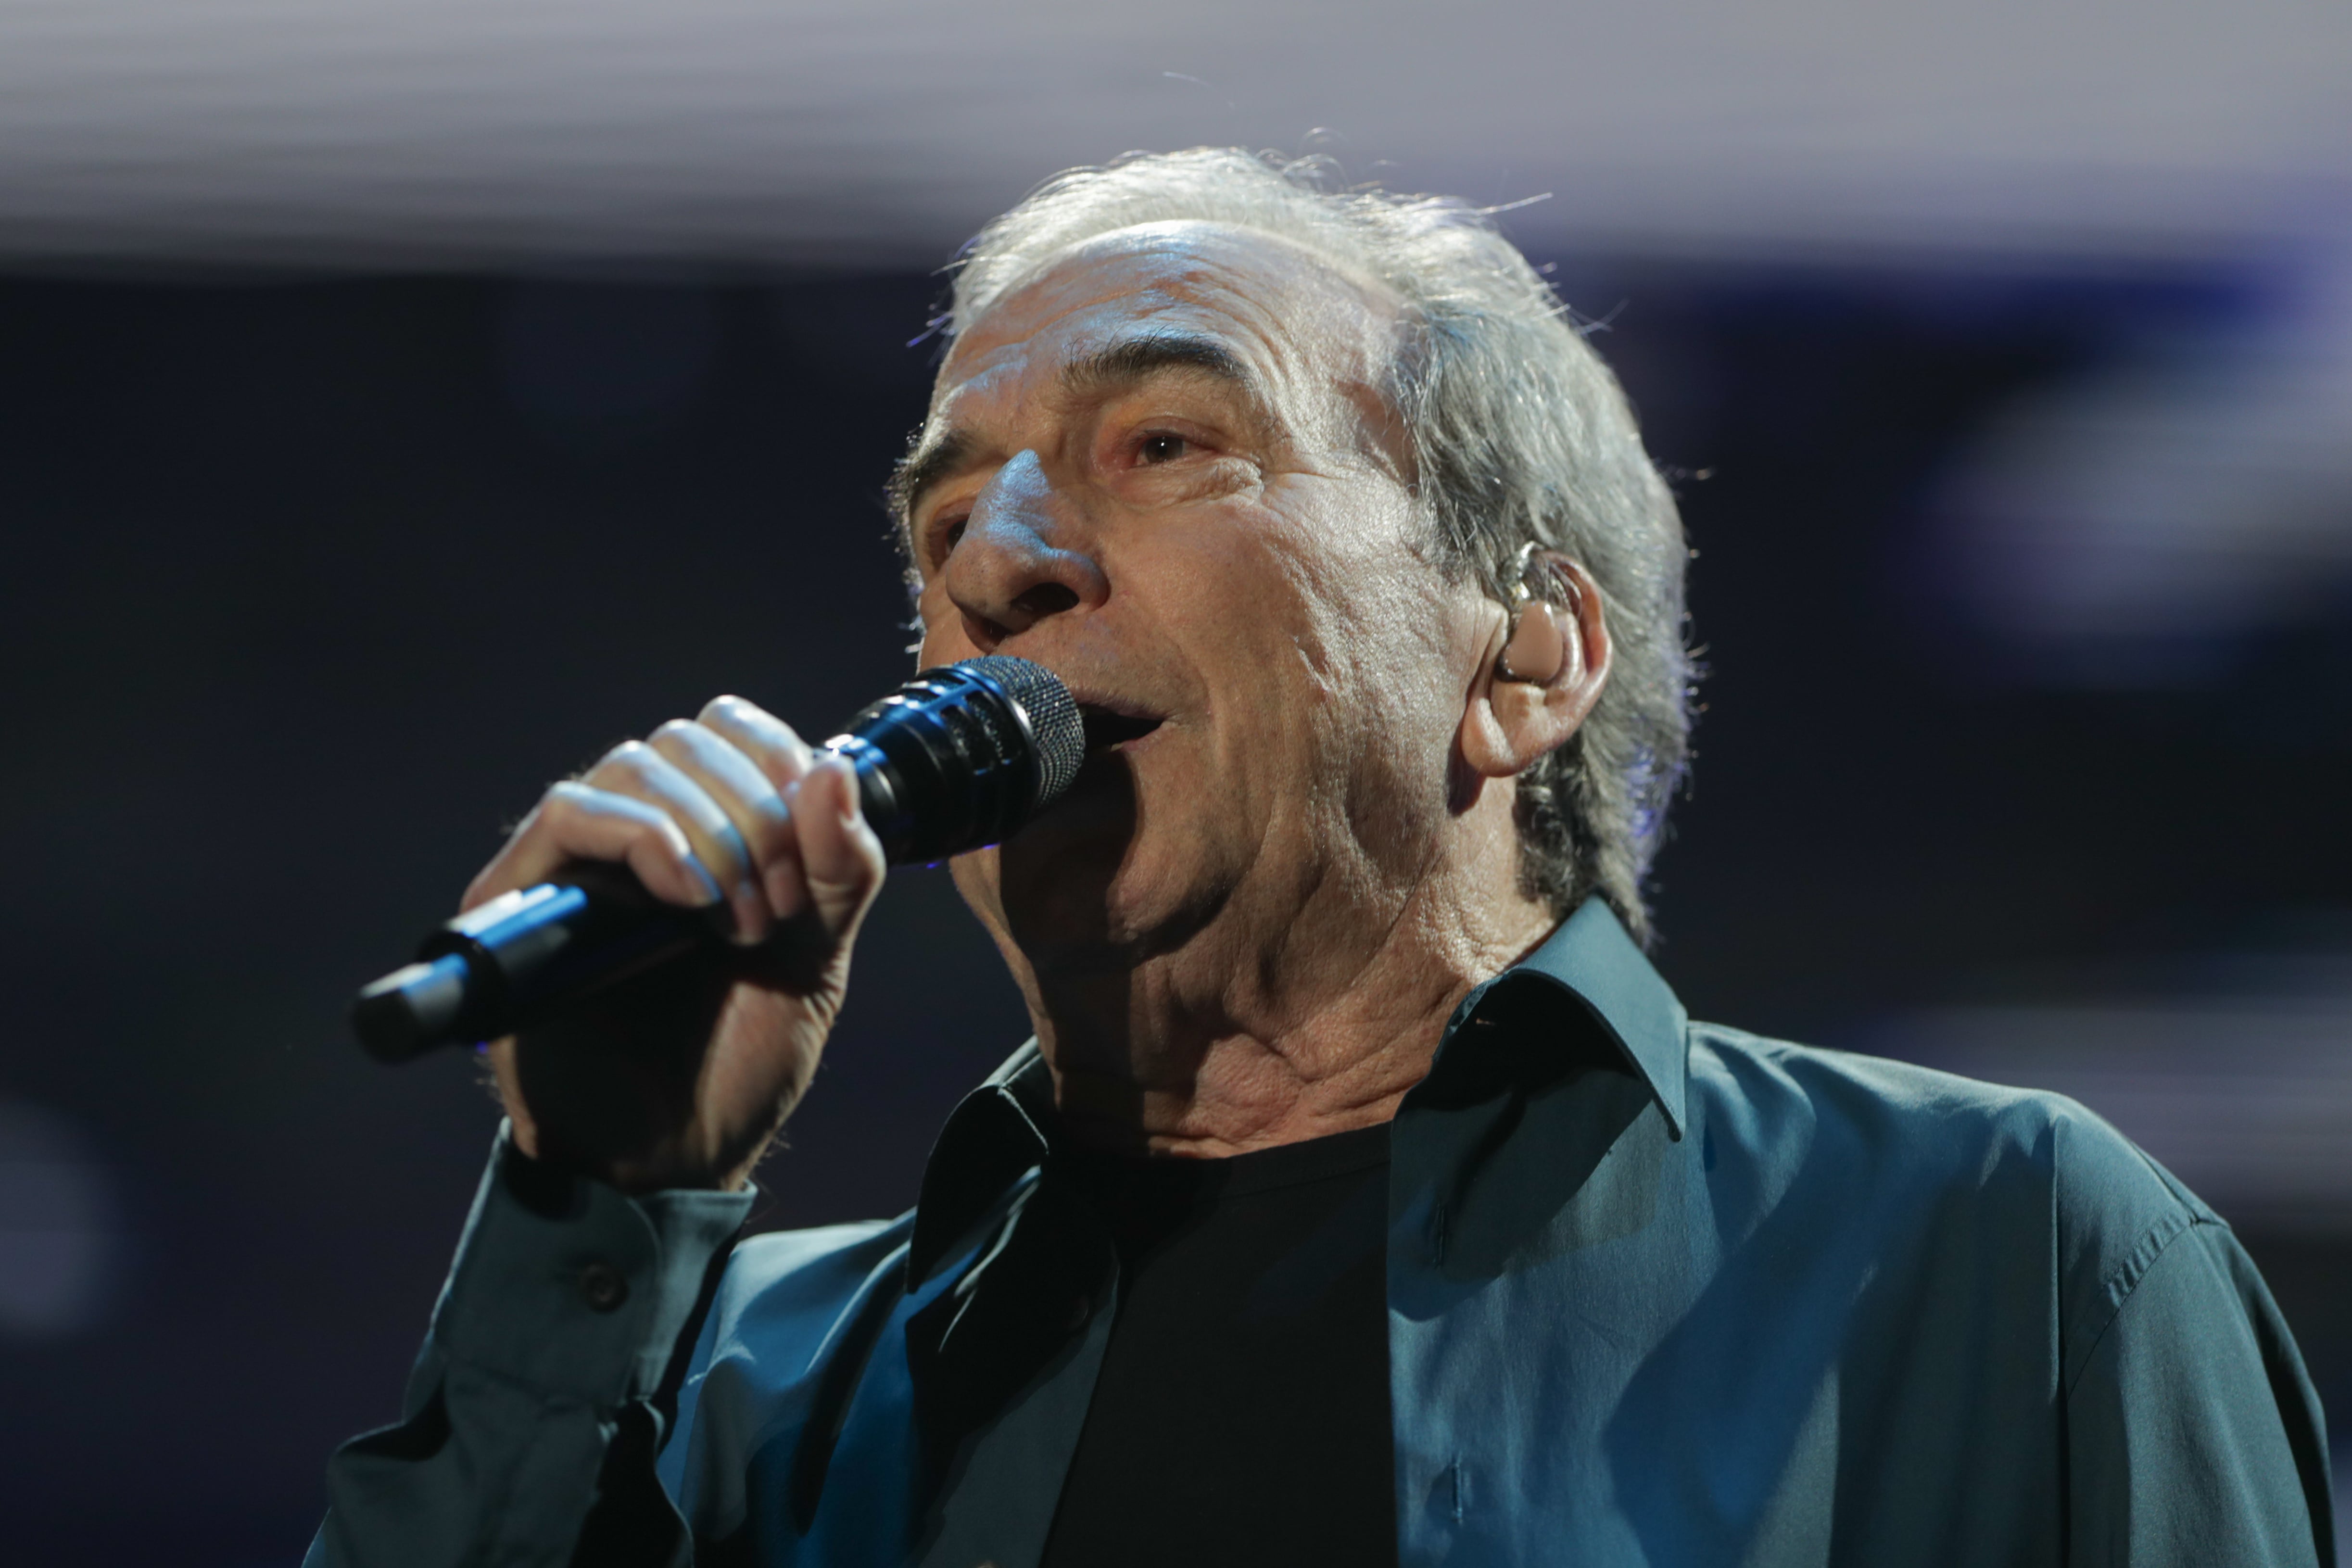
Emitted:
<point x="2118" y="1287"/>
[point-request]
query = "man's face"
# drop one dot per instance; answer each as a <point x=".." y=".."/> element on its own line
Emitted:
<point x="1166" y="468"/>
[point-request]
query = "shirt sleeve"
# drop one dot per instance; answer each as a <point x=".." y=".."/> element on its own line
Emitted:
<point x="536" y="1399"/>
<point x="2193" y="1434"/>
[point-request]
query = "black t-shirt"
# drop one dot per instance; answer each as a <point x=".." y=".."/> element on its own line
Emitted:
<point x="1242" y="1414"/>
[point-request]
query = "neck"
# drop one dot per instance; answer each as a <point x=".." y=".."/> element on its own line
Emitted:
<point x="1222" y="1044"/>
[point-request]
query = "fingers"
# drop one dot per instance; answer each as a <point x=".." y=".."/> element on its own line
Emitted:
<point x="642" y="774"/>
<point x="732" y="805"/>
<point x="759" y="735"/>
<point x="782" y="758"/>
<point x="758" y="847"/>
<point x="829" y="859"/>
<point x="574" y="821"/>
<point x="841" y="857"/>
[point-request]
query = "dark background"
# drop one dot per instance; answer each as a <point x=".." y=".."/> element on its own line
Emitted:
<point x="309" y="589"/>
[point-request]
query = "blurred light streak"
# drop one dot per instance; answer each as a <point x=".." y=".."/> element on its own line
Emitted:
<point x="2135" y="528"/>
<point x="471" y="132"/>
<point x="2247" y="1099"/>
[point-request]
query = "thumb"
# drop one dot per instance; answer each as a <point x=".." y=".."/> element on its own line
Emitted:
<point x="840" y="855"/>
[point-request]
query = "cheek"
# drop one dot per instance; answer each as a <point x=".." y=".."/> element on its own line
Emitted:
<point x="1246" y="615"/>
<point x="1332" y="652"/>
<point x="943" y="637"/>
<point x="1250" y="578"/>
<point x="1327" y="594"/>
<point x="1388" y="646"/>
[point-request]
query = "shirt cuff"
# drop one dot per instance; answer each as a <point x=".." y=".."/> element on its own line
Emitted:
<point x="568" y="1287"/>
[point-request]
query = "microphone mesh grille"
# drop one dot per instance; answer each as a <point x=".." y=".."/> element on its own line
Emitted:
<point x="1053" y="718"/>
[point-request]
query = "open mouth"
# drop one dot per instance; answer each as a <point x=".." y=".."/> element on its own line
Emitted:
<point x="1107" y="729"/>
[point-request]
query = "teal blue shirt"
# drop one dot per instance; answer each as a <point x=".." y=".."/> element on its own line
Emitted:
<point x="1659" y="1293"/>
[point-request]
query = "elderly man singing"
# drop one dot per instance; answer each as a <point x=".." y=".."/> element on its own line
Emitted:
<point x="1364" y="1196"/>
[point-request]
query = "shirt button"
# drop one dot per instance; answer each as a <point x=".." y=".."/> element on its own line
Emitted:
<point x="603" y="1287"/>
<point x="1080" y="1311"/>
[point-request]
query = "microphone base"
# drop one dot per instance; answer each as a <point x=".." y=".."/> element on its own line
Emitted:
<point x="524" y="956"/>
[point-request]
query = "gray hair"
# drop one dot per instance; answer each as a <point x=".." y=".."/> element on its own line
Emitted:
<point x="1520" y="435"/>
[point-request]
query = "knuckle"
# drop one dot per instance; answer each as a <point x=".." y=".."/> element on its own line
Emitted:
<point x="748" y="719"/>
<point x="631" y="761"/>
<point x="570" y="805"/>
<point x="679" y="732"/>
<point x="573" y="799"/>
<point x="564" y="800"/>
<point x="727" y="707"/>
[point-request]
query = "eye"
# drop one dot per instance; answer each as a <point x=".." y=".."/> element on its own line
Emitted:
<point x="1161" y="446"/>
<point x="944" y="537"/>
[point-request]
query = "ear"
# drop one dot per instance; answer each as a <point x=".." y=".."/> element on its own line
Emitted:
<point x="1541" y="676"/>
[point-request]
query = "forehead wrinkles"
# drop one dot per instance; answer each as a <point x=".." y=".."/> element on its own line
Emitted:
<point x="1319" y="339"/>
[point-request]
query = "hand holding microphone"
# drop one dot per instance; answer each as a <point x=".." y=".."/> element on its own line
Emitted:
<point x="750" y="862"/>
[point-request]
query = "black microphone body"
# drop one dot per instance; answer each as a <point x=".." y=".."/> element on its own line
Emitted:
<point x="956" y="758"/>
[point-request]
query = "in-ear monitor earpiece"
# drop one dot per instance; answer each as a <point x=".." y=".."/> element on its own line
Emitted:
<point x="1536" y="649"/>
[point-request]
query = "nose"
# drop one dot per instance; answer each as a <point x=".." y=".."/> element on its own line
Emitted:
<point x="1021" y="559"/>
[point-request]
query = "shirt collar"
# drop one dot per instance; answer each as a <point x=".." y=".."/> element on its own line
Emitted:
<point x="1588" y="961"/>
<point x="997" y="1134"/>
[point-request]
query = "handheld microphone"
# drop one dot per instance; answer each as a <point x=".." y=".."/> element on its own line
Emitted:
<point x="956" y="758"/>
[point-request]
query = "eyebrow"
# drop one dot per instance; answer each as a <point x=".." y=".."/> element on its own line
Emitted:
<point x="1120" y="365"/>
<point x="1138" y="358"/>
<point x="925" y="465"/>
